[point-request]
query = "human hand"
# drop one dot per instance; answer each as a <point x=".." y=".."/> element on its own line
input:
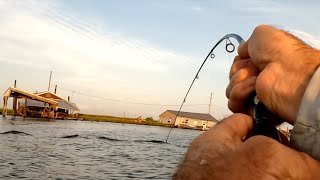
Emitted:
<point x="277" y="66"/>
<point x="222" y="153"/>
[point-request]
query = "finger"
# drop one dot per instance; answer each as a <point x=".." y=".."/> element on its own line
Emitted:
<point x="243" y="50"/>
<point x="239" y="94"/>
<point x="243" y="74"/>
<point x="241" y="64"/>
<point x="236" y="126"/>
<point x="239" y="76"/>
<point x="238" y="64"/>
<point x="237" y="58"/>
<point x="227" y="135"/>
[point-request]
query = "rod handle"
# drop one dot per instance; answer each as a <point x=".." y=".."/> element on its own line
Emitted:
<point x="263" y="123"/>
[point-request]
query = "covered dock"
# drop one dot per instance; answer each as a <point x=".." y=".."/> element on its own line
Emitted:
<point x="42" y="105"/>
<point x="49" y="104"/>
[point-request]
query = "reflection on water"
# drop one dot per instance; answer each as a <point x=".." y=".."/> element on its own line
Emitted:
<point x="41" y="149"/>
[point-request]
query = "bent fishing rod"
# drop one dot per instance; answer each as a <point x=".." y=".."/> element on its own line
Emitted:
<point x="263" y="123"/>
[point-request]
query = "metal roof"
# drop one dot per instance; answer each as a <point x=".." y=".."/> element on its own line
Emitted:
<point x="62" y="104"/>
<point x="201" y="116"/>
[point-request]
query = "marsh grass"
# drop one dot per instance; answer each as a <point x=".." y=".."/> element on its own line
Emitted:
<point x="9" y="111"/>
<point x="100" y="118"/>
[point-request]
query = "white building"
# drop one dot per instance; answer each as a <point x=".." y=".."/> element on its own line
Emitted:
<point x="188" y="119"/>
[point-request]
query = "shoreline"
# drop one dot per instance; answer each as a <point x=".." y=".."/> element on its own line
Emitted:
<point x="114" y="119"/>
<point x="106" y="118"/>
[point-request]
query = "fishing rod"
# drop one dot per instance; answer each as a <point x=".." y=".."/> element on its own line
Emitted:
<point x="263" y="124"/>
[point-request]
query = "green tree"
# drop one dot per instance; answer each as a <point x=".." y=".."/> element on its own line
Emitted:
<point x="149" y="119"/>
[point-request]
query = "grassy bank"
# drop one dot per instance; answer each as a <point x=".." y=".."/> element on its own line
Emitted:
<point x="88" y="117"/>
<point x="9" y="111"/>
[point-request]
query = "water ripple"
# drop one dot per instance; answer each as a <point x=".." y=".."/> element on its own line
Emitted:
<point x="85" y="150"/>
<point x="16" y="132"/>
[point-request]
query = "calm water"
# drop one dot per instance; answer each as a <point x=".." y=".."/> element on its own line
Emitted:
<point x="52" y="150"/>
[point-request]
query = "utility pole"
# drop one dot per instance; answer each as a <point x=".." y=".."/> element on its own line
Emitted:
<point x="55" y="89"/>
<point x="210" y="103"/>
<point x="49" y="80"/>
<point x="15" y="100"/>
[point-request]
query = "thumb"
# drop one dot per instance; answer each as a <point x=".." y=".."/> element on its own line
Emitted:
<point x="236" y="126"/>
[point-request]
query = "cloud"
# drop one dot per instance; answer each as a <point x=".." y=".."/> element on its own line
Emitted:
<point x="90" y="58"/>
<point x="46" y="37"/>
<point x="258" y="7"/>
<point x="197" y="9"/>
<point x="42" y="36"/>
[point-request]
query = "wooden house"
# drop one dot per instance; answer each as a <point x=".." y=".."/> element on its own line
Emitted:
<point x="188" y="120"/>
<point x="63" y="105"/>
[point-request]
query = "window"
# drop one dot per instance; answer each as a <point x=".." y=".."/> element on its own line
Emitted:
<point x="195" y="123"/>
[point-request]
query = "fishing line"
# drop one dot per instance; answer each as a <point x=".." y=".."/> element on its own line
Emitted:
<point x="228" y="54"/>
<point x="229" y="48"/>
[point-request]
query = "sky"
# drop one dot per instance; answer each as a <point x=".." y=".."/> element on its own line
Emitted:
<point x="135" y="57"/>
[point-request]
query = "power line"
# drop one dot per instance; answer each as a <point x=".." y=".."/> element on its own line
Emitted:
<point x="130" y="102"/>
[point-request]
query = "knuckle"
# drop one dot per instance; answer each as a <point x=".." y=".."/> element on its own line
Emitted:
<point x="242" y="75"/>
<point x="234" y="106"/>
<point x="228" y="91"/>
<point x="231" y="106"/>
<point x="263" y="142"/>
<point x="236" y="58"/>
<point x="237" y="66"/>
<point x="260" y="28"/>
<point x="236" y="94"/>
<point x="235" y="101"/>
